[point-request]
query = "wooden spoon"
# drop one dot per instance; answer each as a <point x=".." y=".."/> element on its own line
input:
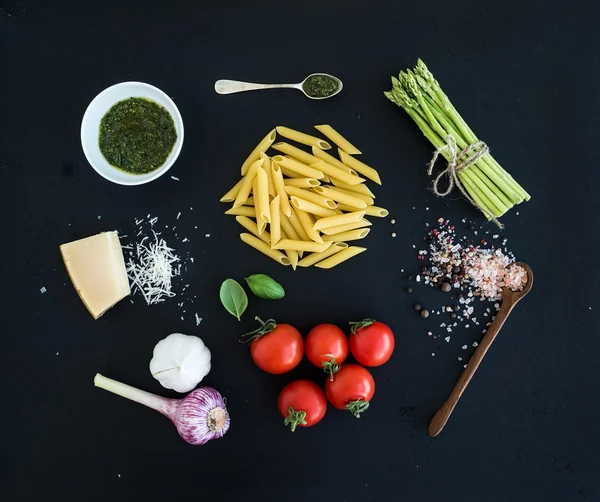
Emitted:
<point x="509" y="300"/>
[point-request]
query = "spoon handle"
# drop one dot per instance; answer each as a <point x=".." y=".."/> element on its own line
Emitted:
<point x="441" y="417"/>
<point x="232" y="86"/>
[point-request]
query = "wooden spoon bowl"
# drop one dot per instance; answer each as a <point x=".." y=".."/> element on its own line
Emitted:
<point x="509" y="300"/>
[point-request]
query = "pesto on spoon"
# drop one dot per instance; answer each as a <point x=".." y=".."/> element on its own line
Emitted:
<point x="315" y="86"/>
<point x="137" y="135"/>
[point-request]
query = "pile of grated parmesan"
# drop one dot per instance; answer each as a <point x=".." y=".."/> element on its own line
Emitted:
<point x="151" y="272"/>
<point x="155" y="270"/>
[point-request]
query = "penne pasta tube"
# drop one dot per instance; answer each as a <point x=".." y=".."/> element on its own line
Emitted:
<point x="300" y="137"/>
<point x="377" y="211"/>
<point x="298" y="167"/>
<point x="344" y="207"/>
<point x="308" y="225"/>
<point x="247" y="182"/>
<point x="251" y="226"/>
<point x="313" y="258"/>
<point x="289" y="173"/>
<point x="331" y="170"/>
<point x="242" y="211"/>
<point x="262" y="194"/>
<point x="311" y="207"/>
<point x="331" y="134"/>
<point x="298" y="226"/>
<point x="232" y="194"/>
<point x="339" y="219"/>
<point x="249" y="201"/>
<point x="284" y="202"/>
<point x="264" y="248"/>
<point x="350" y="235"/>
<point x="275" y="221"/>
<point x="361" y="188"/>
<point x="291" y="254"/>
<point x="369" y="210"/>
<point x="330" y="159"/>
<point x="361" y="167"/>
<point x="293" y="257"/>
<point x="320" y="200"/>
<point x="368" y="199"/>
<point x="349" y="200"/>
<point x="263" y="146"/>
<point x="267" y="167"/>
<point x="288" y="229"/>
<point x="344" y="228"/>
<point x="298" y="154"/>
<point x="314" y="247"/>
<point x="340" y="257"/>
<point x="302" y="182"/>
<point x="260" y="222"/>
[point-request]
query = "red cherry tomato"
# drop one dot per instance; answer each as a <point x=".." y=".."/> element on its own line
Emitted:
<point x="352" y="389"/>
<point x="302" y="403"/>
<point x="371" y="342"/>
<point x="326" y="347"/>
<point x="276" y="348"/>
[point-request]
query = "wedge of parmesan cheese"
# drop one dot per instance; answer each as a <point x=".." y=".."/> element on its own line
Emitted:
<point x="97" y="270"/>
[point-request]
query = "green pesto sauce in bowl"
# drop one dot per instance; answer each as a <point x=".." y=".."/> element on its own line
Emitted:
<point x="320" y="86"/>
<point x="137" y="135"/>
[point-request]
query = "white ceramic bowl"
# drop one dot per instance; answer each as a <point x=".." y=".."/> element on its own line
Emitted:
<point x="90" y="128"/>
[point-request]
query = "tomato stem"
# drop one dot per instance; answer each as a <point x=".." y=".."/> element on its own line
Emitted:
<point x="330" y="367"/>
<point x="357" y="325"/>
<point x="295" y="418"/>
<point x="265" y="328"/>
<point x="357" y="407"/>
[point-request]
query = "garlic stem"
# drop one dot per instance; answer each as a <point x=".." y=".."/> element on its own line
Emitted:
<point x="160" y="404"/>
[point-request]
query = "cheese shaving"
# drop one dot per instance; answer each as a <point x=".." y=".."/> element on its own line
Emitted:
<point x="151" y="273"/>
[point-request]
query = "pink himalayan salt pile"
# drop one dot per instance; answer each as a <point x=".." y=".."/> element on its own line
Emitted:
<point x="489" y="271"/>
<point x="456" y="264"/>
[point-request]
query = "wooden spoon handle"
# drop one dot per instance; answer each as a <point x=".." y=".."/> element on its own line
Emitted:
<point x="441" y="417"/>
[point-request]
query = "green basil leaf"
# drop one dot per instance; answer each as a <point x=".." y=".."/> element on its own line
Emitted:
<point x="265" y="287"/>
<point x="234" y="298"/>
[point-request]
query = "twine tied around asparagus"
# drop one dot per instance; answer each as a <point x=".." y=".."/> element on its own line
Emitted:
<point x="455" y="166"/>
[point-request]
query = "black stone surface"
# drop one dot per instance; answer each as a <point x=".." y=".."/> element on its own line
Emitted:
<point x="524" y="74"/>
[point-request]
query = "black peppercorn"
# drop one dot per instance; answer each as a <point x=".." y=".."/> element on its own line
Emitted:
<point x="409" y="290"/>
<point x="445" y="287"/>
<point x="418" y="307"/>
<point x="424" y="313"/>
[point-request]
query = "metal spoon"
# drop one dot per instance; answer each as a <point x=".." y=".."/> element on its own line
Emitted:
<point x="232" y="86"/>
<point x="509" y="300"/>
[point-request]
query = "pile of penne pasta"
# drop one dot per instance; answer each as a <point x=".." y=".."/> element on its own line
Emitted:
<point x="298" y="202"/>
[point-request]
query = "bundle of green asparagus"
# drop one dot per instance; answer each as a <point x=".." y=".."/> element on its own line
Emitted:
<point x="478" y="175"/>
